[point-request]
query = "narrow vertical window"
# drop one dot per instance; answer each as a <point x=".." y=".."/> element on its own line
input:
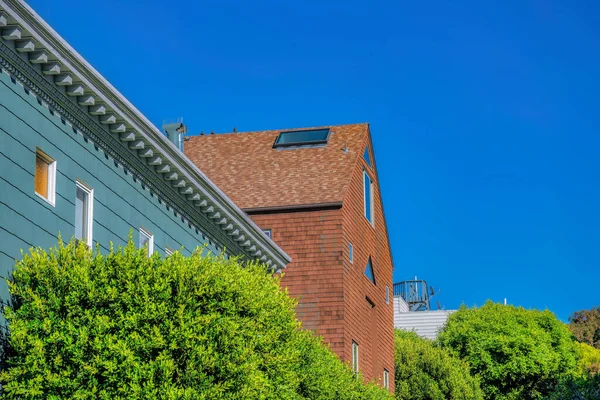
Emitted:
<point x="84" y="212"/>
<point x="387" y="295"/>
<point x="369" y="271"/>
<point x="45" y="176"/>
<point x="351" y="252"/>
<point x="147" y="239"/>
<point x="386" y="379"/>
<point x="354" y="357"/>
<point x="367" y="156"/>
<point x="368" y="197"/>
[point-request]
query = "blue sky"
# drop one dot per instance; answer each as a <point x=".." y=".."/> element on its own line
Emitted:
<point x="484" y="116"/>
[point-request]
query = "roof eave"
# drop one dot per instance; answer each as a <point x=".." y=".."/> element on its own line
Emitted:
<point x="66" y="55"/>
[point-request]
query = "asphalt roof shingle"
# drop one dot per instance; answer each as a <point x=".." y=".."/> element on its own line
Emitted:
<point x="255" y="175"/>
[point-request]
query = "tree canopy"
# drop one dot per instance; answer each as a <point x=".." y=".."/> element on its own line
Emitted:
<point x="589" y="360"/>
<point x="517" y="353"/>
<point x="122" y="325"/>
<point x="427" y="372"/>
<point x="585" y="325"/>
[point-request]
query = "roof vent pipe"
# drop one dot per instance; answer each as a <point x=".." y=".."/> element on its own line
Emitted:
<point x="175" y="133"/>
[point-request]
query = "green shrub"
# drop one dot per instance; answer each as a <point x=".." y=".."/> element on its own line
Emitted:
<point x="517" y="353"/>
<point x="425" y="371"/>
<point x="88" y="326"/>
<point x="577" y="388"/>
<point x="589" y="360"/>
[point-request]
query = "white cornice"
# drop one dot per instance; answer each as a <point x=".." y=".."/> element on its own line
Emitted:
<point x="95" y="85"/>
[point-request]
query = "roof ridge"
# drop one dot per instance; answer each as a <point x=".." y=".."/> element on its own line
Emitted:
<point x="278" y="130"/>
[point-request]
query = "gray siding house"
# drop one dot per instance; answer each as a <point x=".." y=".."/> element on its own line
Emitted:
<point x="77" y="159"/>
<point x="427" y="323"/>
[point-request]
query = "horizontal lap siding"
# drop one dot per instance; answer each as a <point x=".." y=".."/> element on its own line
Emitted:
<point x="425" y="323"/>
<point x="314" y="241"/>
<point x="372" y="329"/>
<point x="121" y="203"/>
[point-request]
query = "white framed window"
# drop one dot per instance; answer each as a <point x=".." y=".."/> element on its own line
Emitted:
<point x="268" y="233"/>
<point x="84" y="212"/>
<point x="351" y="252"/>
<point x="147" y="239"/>
<point x="45" y="176"/>
<point x="368" y="197"/>
<point x="169" y="251"/>
<point x="354" y="357"/>
<point x="387" y="295"/>
<point x="386" y="379"/>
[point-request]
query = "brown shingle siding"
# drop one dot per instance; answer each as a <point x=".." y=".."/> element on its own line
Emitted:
<point x="314" y="276"/>
<point x="371" y="328"/>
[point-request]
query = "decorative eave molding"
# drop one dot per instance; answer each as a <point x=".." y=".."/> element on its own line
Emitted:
<point x="99" y="111"/>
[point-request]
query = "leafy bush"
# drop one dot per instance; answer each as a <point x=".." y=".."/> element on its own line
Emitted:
<point x="425" y="371"/>
<point x="589" y="360"/>
<point x="577" y="388"/>
<point x="88" y="326"/>
<point x="517" y="353"/>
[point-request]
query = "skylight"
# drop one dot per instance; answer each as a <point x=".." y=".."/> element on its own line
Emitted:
<point x="302" y="138"/>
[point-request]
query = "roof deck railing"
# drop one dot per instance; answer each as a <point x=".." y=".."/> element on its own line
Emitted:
<point x="415" y="292"/>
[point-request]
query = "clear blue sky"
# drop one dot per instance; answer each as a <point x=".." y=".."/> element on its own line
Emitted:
<point x="485" y="117"/>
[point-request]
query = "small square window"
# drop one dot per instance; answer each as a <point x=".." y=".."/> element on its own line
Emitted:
<point x="355" y="357"/>
<point x="84" y="212"/>
<point x="147" y="239"/>
<point x="386" y="379"/>
<point x="45" y="176"/>
<point x="351" y="252"/>
<point x="268" y="233"/>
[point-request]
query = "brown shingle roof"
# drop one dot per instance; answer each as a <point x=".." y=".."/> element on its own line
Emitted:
<point x="255" y="175"/>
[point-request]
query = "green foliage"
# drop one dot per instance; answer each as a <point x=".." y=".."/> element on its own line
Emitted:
<point x="517" y="353"/>
<point x="585" y="325"/>
<point x="427" y="372"/>
<point x="577" y="388"/>
<point x="88" y="326"/>
<point x="589" y="359"/>
<point x="324" y="376"/>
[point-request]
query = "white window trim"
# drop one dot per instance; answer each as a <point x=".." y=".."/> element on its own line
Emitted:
<point x="387" y="295"/>
<point x="351" y="252"/>
<point x="355" y="361"/>
<point x="365" y="177"/>
<point x="268" y="233"/>
<point x="169" y="251"/>
<point x="90" y="210"/>
<point x="386" y="379"/>
<point x="51" y="199"/>
<point x="150" y="236"/>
